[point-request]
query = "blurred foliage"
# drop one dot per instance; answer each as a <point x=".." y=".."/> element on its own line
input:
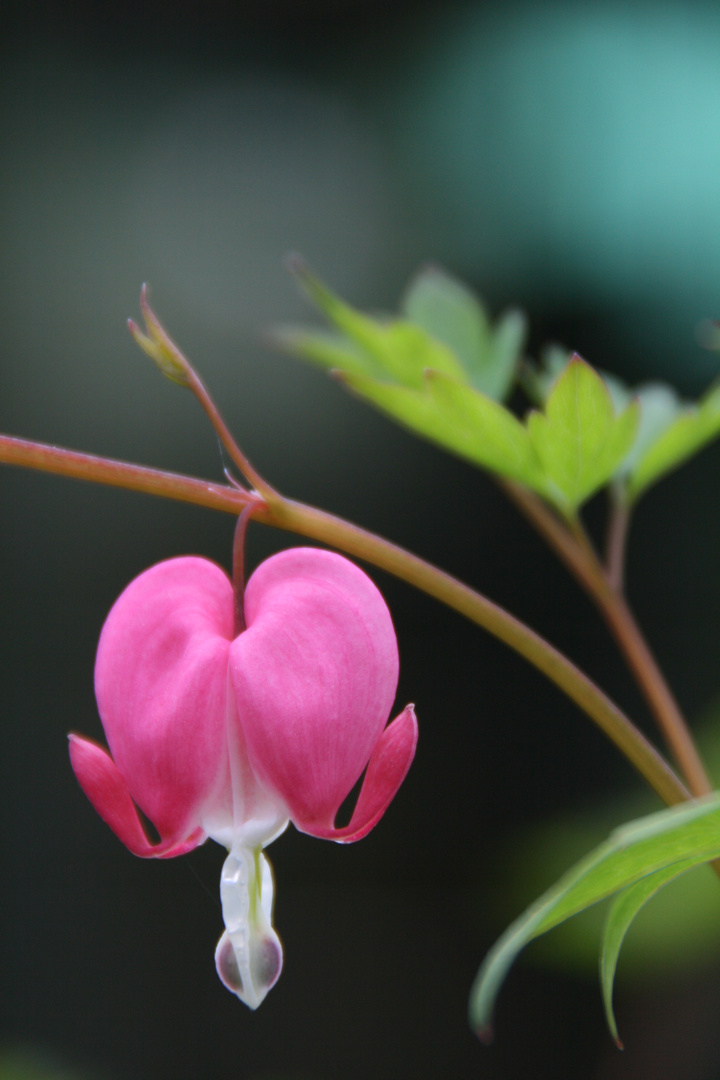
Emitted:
<point x="637" y="860"/>
<point x="679" y="930"/>
<point x="442" y="369"/>
<point x="26" y="1064"/>
<point x="443" y="327"/>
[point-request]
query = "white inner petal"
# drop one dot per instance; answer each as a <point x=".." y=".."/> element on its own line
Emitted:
<point x="249" y="955"/>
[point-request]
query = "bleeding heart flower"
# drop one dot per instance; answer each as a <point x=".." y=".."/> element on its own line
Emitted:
<point x="229" y="737"/>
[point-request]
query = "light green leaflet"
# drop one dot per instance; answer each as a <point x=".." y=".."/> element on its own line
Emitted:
<point x="398" y="351"/>
<point x="682" y="837"/>
<point x="579" y="439"/>
<point x="443" y="328"/>
<point x="459" y="419"/>
<point x="564" y="454"/>
<point x="689" y="431"/>
<point x="452" y="314"/>
<point x="670" y="431"/>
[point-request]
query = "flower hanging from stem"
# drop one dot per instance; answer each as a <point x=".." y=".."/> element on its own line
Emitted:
<point x="230" y="711"/>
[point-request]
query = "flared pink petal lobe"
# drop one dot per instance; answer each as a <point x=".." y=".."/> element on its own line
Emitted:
<point x="315" y="675"/>
<point x="107" y="791"/>
<point x="386" y="771"/>
<point x="161" y="687"/>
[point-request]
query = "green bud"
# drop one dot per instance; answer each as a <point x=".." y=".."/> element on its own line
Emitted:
<point x="158" y="346"/>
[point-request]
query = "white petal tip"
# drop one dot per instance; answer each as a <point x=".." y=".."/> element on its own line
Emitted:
<point x="250" y="970"/>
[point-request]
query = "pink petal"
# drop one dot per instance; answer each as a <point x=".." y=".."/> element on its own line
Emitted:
<point x="107" y="791"/>
<point x="315" y="675"/>
<point x="161" y="686"/>
<point x="386" y="771"/>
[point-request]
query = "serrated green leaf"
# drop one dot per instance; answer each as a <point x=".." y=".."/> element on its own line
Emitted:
<point x="620" y="917"/>
<point x="592" y="429"/>
<point x="659" y="403"/>
<point x="459" y="419"/>
<point x="687" y="434"/>
<point x="578" y="438"/>
<point x="670" y="430"/>
<point x="690" y="831"/>
<point x="451" y="313"/>
<point x="409" y="352"/>
<point x="399" y="349"/>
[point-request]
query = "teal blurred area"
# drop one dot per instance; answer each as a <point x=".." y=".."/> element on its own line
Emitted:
<point x="560" y="157"/>
<point x="573" y="154"/>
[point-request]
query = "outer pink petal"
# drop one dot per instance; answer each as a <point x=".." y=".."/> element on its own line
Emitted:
<point x="107" y="791"/>
<point x="386" y="771"/>
<point x="315" y="675"/>
<point x="161" y="686"/>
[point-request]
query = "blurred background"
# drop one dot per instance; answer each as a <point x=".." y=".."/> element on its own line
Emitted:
<point x="561" y="157"/>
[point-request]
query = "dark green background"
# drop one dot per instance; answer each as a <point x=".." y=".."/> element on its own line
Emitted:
<point x="561" y="157"/>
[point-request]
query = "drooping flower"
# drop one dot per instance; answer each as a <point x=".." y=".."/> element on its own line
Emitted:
<point x="230" y="737"/>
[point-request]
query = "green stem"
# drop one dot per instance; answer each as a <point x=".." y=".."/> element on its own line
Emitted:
<point x="54" y="459"/>
<point x="197" y="386"/>
<point x="387" y="556"/>
<point x="307" y="521"/>
<point x="671" y="721"/>
<point x="616" y="541"/>
<point x="576" y="551"/>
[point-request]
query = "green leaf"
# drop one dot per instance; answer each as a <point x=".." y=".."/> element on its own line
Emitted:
<point x="397" y="350"/>
<point x="592" y="429"/>
<point x="564" y="454"/>
<point x="453" y="315"/>
<point x="328" y="349"/>
<point x="687" y="434"/>
<point x="659" y="408"/>
<point x="452" y="414"/>
<point x="447" y="310"/>
<point x="579" y="439"/>
<point x="508" y="343"/>
<point x="670" y="430"/>
<point x="661" y="944"/>
<point x="690" y="831"/>
<point x="621" y="914"/>
<point x="537" y="380"/>
<point x="659" y="405"/>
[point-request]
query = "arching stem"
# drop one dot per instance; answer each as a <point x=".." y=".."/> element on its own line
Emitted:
<point x="313" y="523"/>
<point x="576" y="551"/>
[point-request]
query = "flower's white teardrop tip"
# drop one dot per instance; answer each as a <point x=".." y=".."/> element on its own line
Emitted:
<point x="249" y="955"/>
